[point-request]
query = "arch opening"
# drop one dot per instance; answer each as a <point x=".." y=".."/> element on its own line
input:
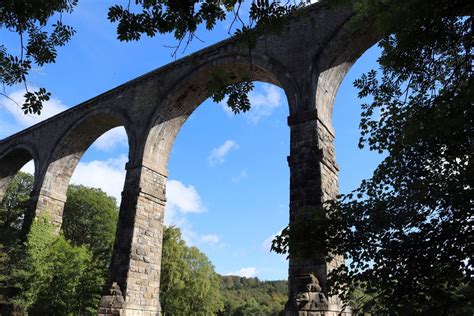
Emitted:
<point x="72" y="146"/>
<point x="220" y="163"/>
<point x="12" y="162"/>
<point x="182" y="100"/>
<point x="17" y="181"/>
<point x="346" y="118"/>
<point x="83" y="186"/>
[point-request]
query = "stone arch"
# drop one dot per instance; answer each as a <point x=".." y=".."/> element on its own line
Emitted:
<point x="190" y="92"/>
<point x="13" y="160"/>
<point x="330" y="66"/>
<point x="67" y="152"/>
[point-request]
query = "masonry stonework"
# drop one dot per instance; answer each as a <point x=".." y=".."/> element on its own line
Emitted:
<point x="308" y="66"/>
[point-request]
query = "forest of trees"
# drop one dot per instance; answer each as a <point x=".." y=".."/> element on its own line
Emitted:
<point x="250" y="296"/>
<point x="64" y="274"/>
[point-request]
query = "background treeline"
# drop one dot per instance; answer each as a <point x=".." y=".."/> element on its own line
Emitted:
<point x="63" y="273"/>
<point x="250" y="296"/>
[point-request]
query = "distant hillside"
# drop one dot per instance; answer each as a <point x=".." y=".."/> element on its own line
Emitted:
<point x="250" y="296"/>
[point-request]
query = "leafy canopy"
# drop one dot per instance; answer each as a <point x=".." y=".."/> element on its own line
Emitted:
<point x="407" y="231"/>
<point x="90" y="218"/>
<point x="38" y="42"/>
<point x="13" y="206"/>
<point x="189" y="285"/>
<point x="53" y="273"/>
<point x="48" y="275"/>
<point x="39" y="39"/>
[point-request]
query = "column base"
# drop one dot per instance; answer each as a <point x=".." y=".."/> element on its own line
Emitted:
<point x="317" y="313"/>
<point x="309" y="300"/>
<point x="115" y="305"/>
<point x="126" y="312"/>
<point x="109" y="307"/>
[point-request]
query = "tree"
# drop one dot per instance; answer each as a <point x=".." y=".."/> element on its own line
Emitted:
<point x="57" y="273"/>
<point x="13" y="206"/>
<point x="62" y="274"/>
<point x="181" y="18"/>
<point x="189" y="285"/>
<point x="90" y="218"/>
<point x="250" y="296"/>
<point x="48" y="275"/>
<point x="30" y="20"/>
<point x="407" y="230"/>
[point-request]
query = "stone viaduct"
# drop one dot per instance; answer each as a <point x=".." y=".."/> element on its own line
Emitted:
<point x="308" y="61"/>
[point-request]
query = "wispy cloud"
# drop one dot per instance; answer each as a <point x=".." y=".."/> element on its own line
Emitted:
<point x="108" y="175"/>
<point x="11" y="105"/>
<point x="263" y="101"/>
<point x="241" y="176"/>
<point x="248" y="272"/>
<point x="211" y="239"/>
<point x="112" y="139"/>
<point x="183" y="198"/>
<point x="219" y="154"/>
<point x="263" y="104"/>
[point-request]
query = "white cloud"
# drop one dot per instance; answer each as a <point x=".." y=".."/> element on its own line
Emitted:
<point x="242" y="175"/>
<point x="113" y="138"/>
<point x="50" y="108"/>
<point x="248" y="272"/>
<point x="211" y="239"/>
<point x="218" y="154"/>
<point x="108" y="175"/>
<point x="182" y="198"/>
<point x="29" y="167"/>
<point x="191" y="237"/>
<point x="263" y="101"/>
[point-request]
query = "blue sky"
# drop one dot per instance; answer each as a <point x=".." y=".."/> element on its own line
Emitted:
<point x="228" y="185"/>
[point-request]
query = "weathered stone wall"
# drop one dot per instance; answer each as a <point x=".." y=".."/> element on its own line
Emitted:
<point x="136" y="260"/>
<point x="308" y="60"/>
<point x="313" y="180"/>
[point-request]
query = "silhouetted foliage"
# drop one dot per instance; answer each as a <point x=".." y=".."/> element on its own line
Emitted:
<point x="30" y="20"/>
<point x="407" y="231"/>
<point x="140" y="17"/>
